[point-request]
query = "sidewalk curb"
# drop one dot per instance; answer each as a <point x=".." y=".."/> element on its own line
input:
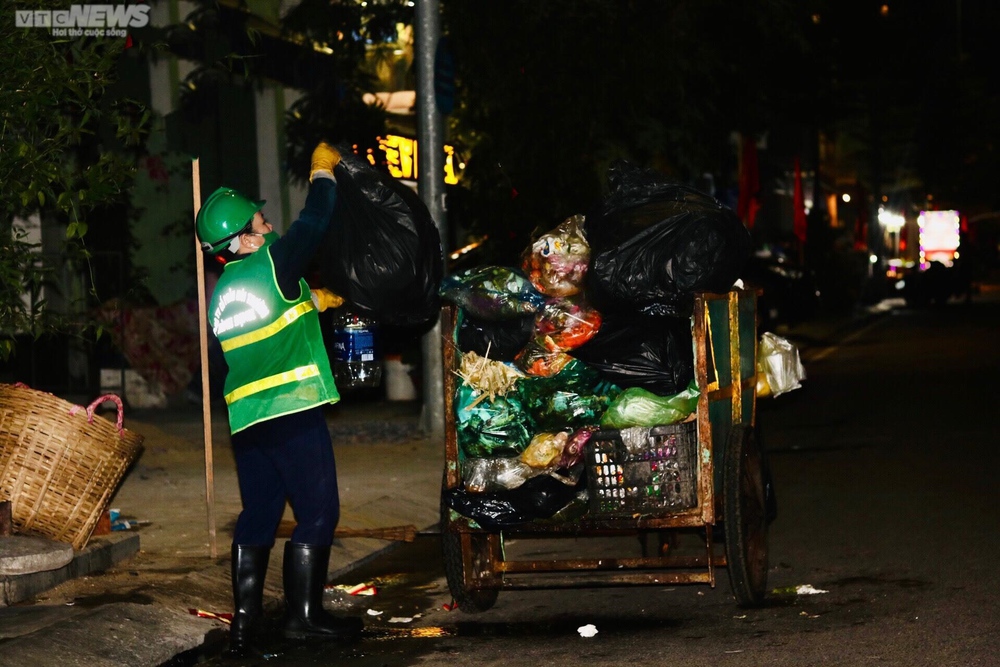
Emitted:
<point x="99" y="555"/>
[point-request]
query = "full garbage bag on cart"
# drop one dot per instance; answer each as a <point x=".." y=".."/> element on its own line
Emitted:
<point x="556" y="262"/>
<point x="492" y="293"/>
<point x="566" y="323"/>
<point x="540" y="497"/>
<point x="382" y="252"/>
<point x="654" y="243"/>
<point x="562" y="323"/>
<point x="498" y="340"/>
<point x="656" y="354"/>
<point x="491" y="427"/>
<point x="638" y="407"/>
<point x="575" y="396"/>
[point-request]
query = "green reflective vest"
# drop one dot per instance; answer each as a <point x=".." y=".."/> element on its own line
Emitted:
<point x="274" y="348"/>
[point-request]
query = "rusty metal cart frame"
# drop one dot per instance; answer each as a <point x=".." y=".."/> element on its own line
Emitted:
<point x="730" y="486"/>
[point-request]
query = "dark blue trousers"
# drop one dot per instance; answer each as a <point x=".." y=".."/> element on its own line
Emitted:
<point x="287" y="458"/>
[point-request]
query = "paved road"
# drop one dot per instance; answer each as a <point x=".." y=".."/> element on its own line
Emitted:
<point x="886" y="468"/>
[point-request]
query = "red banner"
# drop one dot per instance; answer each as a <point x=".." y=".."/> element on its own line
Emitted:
<point x="749" y="202"/>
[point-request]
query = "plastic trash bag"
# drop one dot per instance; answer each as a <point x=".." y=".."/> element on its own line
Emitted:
<point x="497" y="340"/>
<point x="567" y="409"/>
<point x="656" y="354"/>
<point x="539" y="360"/>
<point x="575" y="376"/>
<point x="654" y="244"/>
<point x="560" y="325"/>
<point x="566" y="323"/>
<point x="484" y="475"/>
<point x="638" y="407"/>
<point x="490" y="510"/>
<point x="556" y="262"/>
<point x="545" y="449"/>
<point x="492" y="293"/>
<point x="489" y="475"/>
<point x="573" y="451"/>
<point x="576" y="396"/>
<point x="500" y="427"/>
<point x="382" y="252"/>
<point x="779" y="369"/>
<point x="540" y="497"/>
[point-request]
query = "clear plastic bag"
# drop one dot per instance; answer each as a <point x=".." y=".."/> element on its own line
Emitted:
<point x="485" y="475"/>
<point x="537" y="360"/>
<point x="779" y="369"/>
<point x="556" y="262"/>
<point x="564" y="324"/>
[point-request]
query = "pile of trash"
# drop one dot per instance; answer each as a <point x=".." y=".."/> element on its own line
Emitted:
<point x="592" y="331"/>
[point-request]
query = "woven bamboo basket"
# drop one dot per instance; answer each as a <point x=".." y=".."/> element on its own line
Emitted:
<point x="60" y="464"/>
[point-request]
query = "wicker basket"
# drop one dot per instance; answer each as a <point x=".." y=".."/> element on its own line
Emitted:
<point x="59" y="464"/>
<point x="642" y="471"/>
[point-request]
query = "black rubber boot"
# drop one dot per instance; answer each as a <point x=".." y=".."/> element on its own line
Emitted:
<point x="249" y="567"/>
<point x="304" y="571"/>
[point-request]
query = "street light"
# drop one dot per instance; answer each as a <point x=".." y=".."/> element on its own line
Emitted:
<point x="893" y="223"/>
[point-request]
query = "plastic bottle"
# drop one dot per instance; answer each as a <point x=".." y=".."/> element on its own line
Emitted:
<point x="355" y="359"/>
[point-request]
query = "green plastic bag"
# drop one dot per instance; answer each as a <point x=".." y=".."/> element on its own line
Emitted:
<point x="564" y="409"/>
<point x="575" y="396"/>
<point x="637" y="407"/>
<point x="486" y="428"/>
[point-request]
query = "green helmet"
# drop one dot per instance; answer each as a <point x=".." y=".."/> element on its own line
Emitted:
<point x="223" y="216"/>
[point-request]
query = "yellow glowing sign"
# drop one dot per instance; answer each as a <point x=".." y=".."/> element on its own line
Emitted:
<point x="401" y="158"/>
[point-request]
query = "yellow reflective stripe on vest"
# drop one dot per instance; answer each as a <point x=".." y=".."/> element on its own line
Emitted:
<point x="295" y="375"/>
<point x="286" y="318"/>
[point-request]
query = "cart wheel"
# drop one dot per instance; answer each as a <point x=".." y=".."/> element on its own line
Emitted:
<point x="745" y="517"/>
<point x="471" y="601"/>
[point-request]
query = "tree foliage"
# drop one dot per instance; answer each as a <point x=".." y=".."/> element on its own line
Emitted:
<point x="59" y="132"/>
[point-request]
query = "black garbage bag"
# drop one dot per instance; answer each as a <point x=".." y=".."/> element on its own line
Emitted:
<point x="654" y="353"/>
<point x="538" y="498"/>
<point x="503" y="339"/>
<point x="654" y="244"/>
<point x="383" y="251"/>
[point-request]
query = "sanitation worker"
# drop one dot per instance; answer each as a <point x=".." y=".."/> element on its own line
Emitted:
<point x="279" y="381"/>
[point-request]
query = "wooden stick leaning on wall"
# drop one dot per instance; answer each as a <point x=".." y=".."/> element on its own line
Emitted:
<point x="206" y="395"/>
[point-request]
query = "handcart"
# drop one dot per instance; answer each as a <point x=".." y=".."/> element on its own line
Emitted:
<point x="725" y="485"/>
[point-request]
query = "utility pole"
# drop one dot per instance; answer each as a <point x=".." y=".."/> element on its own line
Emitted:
<point x="430" y="186"/>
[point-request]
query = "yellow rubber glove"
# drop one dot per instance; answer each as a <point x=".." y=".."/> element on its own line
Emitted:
<point x="324" y="158"/>
<point x="323" y="298"/>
